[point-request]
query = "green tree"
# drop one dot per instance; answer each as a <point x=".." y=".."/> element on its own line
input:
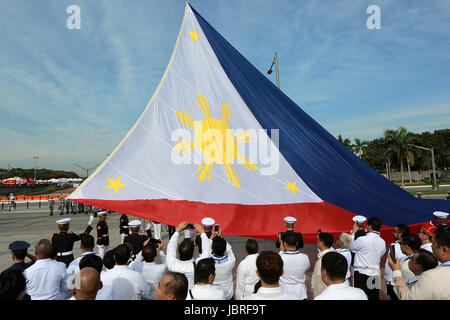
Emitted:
<point x="397" y="145"/>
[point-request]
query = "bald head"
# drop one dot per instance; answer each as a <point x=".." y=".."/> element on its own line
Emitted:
<point x="44" y="249"/>
<point x="87" y="283"/>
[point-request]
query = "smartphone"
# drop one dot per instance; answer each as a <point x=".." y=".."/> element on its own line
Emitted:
<point x="216" y="228"/>
<point x="392" y="253"/>
<point x="190" y="226"/>
<point x="319" y="231"/>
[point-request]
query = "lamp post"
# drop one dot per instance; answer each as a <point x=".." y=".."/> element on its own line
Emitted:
<point x="275" y="61"/>
<point x="435" y="186"/>
<point x="87" y="169"/>
<point x="35" y="158"/>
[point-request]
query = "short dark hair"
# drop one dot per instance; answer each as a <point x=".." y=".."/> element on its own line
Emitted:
<point x="45" y="249"/>
<point x="219" y="246"/>
<point x="270" y="266"/>
<point x="177" y="285"/>
<point x="442" y="237"/>
<point x="20" y="254"/>
<point x="375" y="222"/>
<point x="404" y="229"/>
<point x="203" y="269"/>
<point x="335" y="265"/>
<point x="412" y="240"/>
<point x="290" y="239"/>
<point x="326" y="238"/>
<point x="87" y="241"/>
<point x="186" y="249"/>
<point x="149" y="253"/>
<point x="426" y="259"/>
<point x="251" y="246"/>
<point x="122" y="254"/>
<point x="12" y="283"/>
<point x="108" y="259"/>
<point x="93" y="261"/>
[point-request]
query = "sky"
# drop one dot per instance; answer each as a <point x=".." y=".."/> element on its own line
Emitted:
<point x="70" y="96"/>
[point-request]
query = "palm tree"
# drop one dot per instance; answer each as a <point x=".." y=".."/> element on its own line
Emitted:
<point x="346" y="142"/>
<point x="358" y="147"/>
<point x="409" y="161"/>
<point x="397" y="145"/>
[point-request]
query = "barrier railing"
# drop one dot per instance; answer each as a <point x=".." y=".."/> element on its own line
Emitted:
<point x="35" y="197"/>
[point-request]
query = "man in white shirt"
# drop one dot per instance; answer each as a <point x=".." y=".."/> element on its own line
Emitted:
<point x="145" y="264"/>
<point x="368" y="252"/>
<point x="425" y="234"/>
<point x="185" y="264"/>
<point x="324" y="243"/>
<point x="127" y="284"/>
<point x="433" y="283"/>
<point x="334" y="267"/>
<point x="204" y="278"/>
<point x="295" y="265"/>
<point x="223" y="255"/>
<point x="342" y="242"/>
<point x="269" y="267"/>
<point x="409" y="245"/>
<point x="400" y="230"/>
<point x="45" y="278"/>
<point x="246" y="277"/>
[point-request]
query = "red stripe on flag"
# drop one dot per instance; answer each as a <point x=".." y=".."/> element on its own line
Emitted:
<point x="252" y="221"/>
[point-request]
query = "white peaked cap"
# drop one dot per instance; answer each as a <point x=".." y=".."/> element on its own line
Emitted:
<point x="63" y="221"/>
<point x="102" y="213"/>
<point x="134" y="223"/>
<point x="290" y="219"/>
<point x="208" y="222"/>
<point x="359" y="219"/>
<point x="440" y="214"/>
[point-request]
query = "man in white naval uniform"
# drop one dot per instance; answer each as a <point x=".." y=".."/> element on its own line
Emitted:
<point x="334" y="268"/>
<point x="295" y="265"/>
<point x="204" y="277"/>
<point x="45" y="278"/>
<point x="126" y="283"/>
<point x="269" y="267"/>
<point x="368" y="253"/>
<point x="246" y="277"/>
<point x="185" y="264"/>
<point x="433" y="284"/>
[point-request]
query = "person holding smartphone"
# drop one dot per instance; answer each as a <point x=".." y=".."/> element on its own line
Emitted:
<point x="208" y="224"/>
<point x="290" y="224"/>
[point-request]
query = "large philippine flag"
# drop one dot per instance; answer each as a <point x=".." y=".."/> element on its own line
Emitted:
<point x="219" y="140"/>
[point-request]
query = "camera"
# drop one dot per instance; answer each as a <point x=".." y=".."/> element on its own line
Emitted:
<point x="190" y="226"/>
<point x="216" y="228"/>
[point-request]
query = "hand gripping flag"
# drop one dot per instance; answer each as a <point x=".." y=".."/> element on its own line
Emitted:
<point x="218" y="139"/>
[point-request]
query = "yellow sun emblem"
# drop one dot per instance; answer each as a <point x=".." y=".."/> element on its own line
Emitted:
<point x="216" y="141"/>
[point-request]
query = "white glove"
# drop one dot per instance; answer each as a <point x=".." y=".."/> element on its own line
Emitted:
<point x="91" y="218"/>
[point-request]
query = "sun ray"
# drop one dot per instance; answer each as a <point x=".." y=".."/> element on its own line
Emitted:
<point x="246" y="162"/>
<point x="204" y="172"/>
<point x="182" y="146"/>
<point x="199" y="168"/>
<point x="210" y="171"/>
<point x="233" y="175"/>
<point x="185" y="120"/>
<point x="204" y="106"/>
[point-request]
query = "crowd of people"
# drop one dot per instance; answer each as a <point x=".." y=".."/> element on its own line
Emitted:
<point x="347" y="268"/>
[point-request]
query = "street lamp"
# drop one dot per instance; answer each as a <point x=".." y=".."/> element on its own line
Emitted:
<point x="35" y="157"/>
<point x="435" y="186"/>
<point x="275" y="61"/>
<point x="87" y="169"/>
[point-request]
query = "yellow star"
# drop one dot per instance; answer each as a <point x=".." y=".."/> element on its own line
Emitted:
<point x="292" y="186"/>
<point x="194" y="35"/>
<point x="115" y="184"/>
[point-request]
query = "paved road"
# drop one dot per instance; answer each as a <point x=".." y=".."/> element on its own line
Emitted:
<point x="34" y="224"/>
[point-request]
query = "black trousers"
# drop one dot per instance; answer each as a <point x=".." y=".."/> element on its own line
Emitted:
<point x="391" y="292"/>
<point x="361" y="281"/>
